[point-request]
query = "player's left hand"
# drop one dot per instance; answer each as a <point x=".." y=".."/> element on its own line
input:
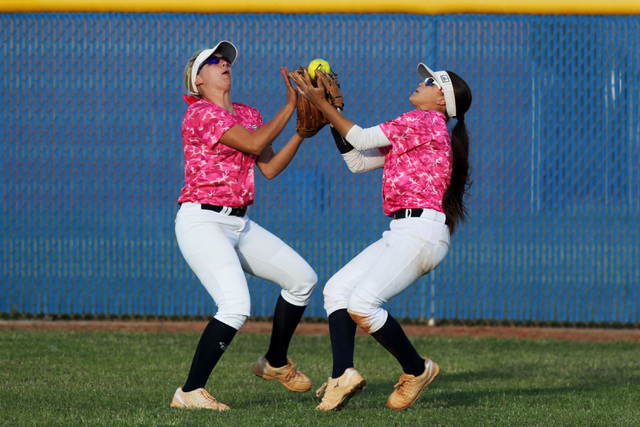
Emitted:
<point x="329" y="82"/>
<point x="306" y="87"/>
<point x="291" y="95"/>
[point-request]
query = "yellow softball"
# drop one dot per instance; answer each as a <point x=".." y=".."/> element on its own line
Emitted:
<point x="318" y="64"/>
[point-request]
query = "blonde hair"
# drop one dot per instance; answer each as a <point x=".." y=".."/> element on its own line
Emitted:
<point x="187" y="71"/>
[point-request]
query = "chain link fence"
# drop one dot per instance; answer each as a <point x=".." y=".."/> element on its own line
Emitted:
<point x="92" y="163"/>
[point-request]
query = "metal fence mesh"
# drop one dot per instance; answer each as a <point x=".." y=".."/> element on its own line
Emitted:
<point x="93" y="163"/>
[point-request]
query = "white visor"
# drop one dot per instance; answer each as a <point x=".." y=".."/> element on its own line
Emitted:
<point x="442" y="77"/>
<point x="227" y="49"/>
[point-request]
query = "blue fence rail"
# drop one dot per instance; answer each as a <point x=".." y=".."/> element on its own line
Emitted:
<point x="92" y="163"/>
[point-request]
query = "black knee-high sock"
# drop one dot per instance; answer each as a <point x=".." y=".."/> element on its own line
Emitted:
<point x="214" y="340"/>
<point x="342" y="329"/>
<point x="393" y="338"/>
<point x="285" y="320"/>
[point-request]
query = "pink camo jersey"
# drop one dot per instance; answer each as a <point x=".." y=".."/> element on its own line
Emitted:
<point x="215" y="173"/>
<point x="417" y="166"/>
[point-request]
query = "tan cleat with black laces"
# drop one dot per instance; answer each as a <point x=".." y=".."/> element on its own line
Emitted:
<point x="409" y="387"/>
<point x="196" y="399"/>
<point x="287" y="375"/>
<point x="338" y="391"/>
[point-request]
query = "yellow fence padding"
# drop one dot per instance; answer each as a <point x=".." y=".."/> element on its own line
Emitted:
<point x="538" y="7"/>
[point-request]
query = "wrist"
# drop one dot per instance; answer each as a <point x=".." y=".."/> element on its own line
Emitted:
<point x="289" y="109"/>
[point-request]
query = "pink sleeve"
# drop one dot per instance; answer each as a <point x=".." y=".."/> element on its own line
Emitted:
<point x="413" y="129"/>
<point x="210" y="123"/>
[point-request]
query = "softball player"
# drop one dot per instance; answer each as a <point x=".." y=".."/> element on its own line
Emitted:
<point x="223" y="140"/>
<point x="425" y="178"/>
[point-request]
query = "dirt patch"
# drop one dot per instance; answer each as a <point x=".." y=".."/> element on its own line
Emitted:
<point x="304" y="328"/>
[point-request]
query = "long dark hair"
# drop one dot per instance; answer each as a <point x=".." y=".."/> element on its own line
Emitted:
<point x="454" y="201"/>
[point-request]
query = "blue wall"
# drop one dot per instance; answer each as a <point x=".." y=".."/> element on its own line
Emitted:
<point x="93" y="163"/>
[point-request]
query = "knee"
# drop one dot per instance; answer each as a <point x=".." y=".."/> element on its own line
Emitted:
<point x="368" y="317"/>
<point x="335" y="297"/>
<point x="234" y="320"/>
<point x="330" y="291"/>
<point x="234" y="313"/>
<point x="309" y="285"/>
<point x="369" y="322"/>
<point x="301" y="293"/>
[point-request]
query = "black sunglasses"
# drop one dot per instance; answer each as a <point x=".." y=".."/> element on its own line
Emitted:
<point x="213" y="60"/>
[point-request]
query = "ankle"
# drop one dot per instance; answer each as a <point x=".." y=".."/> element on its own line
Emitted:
<point x="276" y="361"/>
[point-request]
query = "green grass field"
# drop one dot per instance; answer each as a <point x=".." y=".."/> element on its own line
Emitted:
<point x="124" y="378"/>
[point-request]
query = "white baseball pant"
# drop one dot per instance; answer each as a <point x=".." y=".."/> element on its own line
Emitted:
<point x="220" y="249"/>
<point x="411" y="248"/>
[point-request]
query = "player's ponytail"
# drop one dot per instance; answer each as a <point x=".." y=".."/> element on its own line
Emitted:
<point x="186" y="80"/>
<point x="454" y="202"/>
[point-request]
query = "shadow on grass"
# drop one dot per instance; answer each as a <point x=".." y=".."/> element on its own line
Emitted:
<point x="505" y="385"/>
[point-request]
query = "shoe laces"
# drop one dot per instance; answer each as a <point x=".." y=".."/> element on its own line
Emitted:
<point x="404" y="378"/>
<point x="207" y="396"/>
<point x="322" y="389"/>
<point x="291" y="372"/>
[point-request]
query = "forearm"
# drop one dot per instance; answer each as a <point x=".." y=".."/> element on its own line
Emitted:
<point x="271" y="163"/>
<point x="367" y="139"/>
<point x="268" y="133"/>
<point x="358" y="161"/>
<point x="363" y="161"/>
<point x="340" y="141"/>
<point x="339" y="122"/>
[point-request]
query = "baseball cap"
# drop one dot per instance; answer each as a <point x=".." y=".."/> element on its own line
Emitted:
<point x="443" y="79"/>
<point x="227" y="49"/>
